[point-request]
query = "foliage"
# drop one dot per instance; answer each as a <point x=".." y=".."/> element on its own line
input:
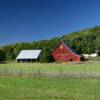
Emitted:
<point x="46" y="55"/>
<point x="2" y="55"/>
<point x="85" y="41"/>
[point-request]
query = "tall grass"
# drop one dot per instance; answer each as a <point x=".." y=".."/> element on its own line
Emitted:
<point x="90" y="69"/>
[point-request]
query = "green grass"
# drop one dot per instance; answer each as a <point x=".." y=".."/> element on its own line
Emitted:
<point x="52" y="67"/>
<point x="14" y="88"/>
<point x="49" y="88"/>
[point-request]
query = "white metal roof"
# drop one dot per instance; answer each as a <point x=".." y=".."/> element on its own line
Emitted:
<point x="29" y="54"/>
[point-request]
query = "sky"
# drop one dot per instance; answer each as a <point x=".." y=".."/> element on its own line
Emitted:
<point x="32" y="20"/>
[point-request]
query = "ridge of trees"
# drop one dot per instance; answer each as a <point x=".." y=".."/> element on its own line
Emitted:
<point x="85" y="41"/>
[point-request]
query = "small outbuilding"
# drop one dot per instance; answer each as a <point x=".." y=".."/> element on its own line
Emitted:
<point x="28" y="56"/>
<point x="64" y="53"/>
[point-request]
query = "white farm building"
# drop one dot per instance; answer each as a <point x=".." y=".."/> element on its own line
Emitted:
<point x="28" y="55"/>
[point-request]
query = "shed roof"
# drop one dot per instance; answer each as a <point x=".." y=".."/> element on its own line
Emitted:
<point x="29" y="54"/>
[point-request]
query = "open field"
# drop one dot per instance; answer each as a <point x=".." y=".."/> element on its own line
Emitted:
<point x="52" y="67"/>
<point x="17" y="88"/>
<point x="13" y="86"/>
<point x="92" y="68"/>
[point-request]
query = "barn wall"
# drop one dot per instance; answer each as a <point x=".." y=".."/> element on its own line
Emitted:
<point x="62" y="54"/>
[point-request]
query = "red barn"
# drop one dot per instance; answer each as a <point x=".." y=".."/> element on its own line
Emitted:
<point x="63" y="53"/>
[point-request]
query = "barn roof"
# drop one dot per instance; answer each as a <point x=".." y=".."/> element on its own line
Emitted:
<point x="67" y="46"/>
<point x="29" y="54"/>
<point x="71" y="49"/>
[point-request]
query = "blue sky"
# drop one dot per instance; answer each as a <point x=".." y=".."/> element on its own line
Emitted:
<point x="29" y="20"/>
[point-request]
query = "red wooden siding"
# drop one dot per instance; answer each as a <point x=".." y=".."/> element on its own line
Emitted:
<point x="63" y="53"/>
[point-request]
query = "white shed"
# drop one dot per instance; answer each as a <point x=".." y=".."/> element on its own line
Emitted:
<point x="28" y="55"/>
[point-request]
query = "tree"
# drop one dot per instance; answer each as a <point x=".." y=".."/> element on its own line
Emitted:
<point x="2" y="55"/>
<point x="46" y="56"/>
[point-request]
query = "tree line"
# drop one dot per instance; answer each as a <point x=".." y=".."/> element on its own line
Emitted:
<point x="86" y="41"/>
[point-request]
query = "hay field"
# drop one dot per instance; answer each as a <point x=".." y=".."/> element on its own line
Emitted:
<point x="17" y="81"/>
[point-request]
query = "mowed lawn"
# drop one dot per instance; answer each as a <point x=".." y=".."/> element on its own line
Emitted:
<point x="17" y="88"/>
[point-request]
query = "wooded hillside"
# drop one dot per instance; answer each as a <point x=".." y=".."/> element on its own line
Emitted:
<point x="85" y="41"/>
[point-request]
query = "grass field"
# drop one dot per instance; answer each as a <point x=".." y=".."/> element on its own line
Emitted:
<point x="49" y="88"/>
<point x="85" y="68"/>
<point x="52" y="67"/>
<point x="15" y="88"/>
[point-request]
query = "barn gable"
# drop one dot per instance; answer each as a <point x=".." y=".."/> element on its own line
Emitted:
<point x="63" y="53"/>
